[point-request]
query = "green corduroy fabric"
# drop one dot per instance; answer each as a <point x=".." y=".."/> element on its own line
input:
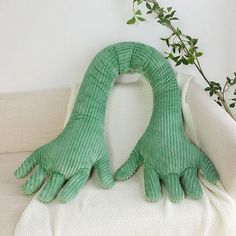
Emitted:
<point x="163" y="149"/>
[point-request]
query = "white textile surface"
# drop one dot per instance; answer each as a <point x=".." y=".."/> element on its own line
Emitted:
<point x="123" y="209"/>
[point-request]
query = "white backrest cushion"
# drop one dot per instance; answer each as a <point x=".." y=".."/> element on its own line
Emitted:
<point x="30" y="119"/>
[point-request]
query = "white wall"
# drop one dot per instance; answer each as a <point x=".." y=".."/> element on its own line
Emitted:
<point x="49" y="43"/>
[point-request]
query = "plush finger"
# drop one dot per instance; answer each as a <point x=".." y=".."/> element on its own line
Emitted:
<point x="103" y="173"/>
<point x="152" y="185"/>
<point x="191" y="183"/>
<point x="51" y="188"/>
<point x="26" y="167"/>
<point x="173" y="187"/>
<point x="129" y="168"/>
<point x="35" y="181"/>
<point x="208" y="169"/>
<point x="73" y="186"/>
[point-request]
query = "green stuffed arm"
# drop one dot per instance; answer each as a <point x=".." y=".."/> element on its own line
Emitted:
<point x="164" y="150"/>
<point x="67" y="161"/>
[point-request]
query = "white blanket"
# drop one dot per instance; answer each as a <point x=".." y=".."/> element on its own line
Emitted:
<point x="123" y="209"/>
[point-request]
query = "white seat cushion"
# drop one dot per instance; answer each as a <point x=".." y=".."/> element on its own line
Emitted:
<point x="12" y="200"/>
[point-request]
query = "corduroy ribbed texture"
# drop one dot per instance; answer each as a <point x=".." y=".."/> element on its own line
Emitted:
<point x="164" y="149"/>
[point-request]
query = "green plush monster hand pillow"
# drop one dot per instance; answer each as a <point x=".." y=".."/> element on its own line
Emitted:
<point x="163" y="149"/>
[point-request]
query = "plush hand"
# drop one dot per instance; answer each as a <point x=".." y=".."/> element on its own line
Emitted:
<point x="67" y="162"/>
<point x="172" y="159"/>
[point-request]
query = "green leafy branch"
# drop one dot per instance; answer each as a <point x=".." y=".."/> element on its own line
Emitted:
<point x="215" y="88"/>
<point x="184" y="49"/>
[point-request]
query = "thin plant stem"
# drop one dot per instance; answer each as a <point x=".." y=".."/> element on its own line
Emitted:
<point x="196" y="62"/>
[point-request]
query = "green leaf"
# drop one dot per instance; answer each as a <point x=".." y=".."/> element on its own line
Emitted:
<point x="180" y="49"/>
<point x="169" y="9"/>
<point x="141" y="18"/>
<point x="178" y="63"/>
<point x="179" y="31"/>
<point x="148" y="6"/>
<point x="213" y="83"/>
<point x="131" y="21"/>
<point x="171" y="56"/>
<point x="163" y="39"/>
<point x="184" y="61"/>
<point x="176" y="58"/>
<point x="228" y="80"/>
<point x="191" y="50"/>
<point x="138" y="12"/>
<point x="189" y="37"/>
<point x="168" y="16"/>
<point x="207" y="89"/>
<point x="138" y="1"/>
<point x="232" y="105"/>
<point x="199" y="54"/>
<point x="194" y="41"/>
<point x="219" y="103"/>
<point x="191" y="60"/>
<point x="155" y="6"/>
<point x="167" y="42"/>
<point x="172" y="13"/>
<point x="174" y="48"/>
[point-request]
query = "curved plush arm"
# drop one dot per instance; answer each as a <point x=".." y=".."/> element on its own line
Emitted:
<point x="216" y="133"/>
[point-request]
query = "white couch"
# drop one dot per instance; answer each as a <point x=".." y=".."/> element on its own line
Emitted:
<point x="31" y="119"/>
